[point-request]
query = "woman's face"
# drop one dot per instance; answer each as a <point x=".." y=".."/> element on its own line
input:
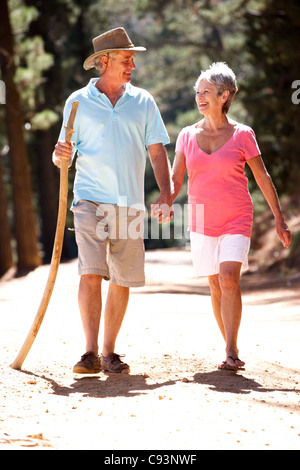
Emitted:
<point x="207" y="98"/>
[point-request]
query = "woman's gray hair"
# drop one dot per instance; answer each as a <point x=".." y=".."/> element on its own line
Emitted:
<point x="220" y="75"/>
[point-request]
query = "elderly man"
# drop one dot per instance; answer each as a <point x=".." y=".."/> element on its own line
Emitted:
<point x="115" y="124"/>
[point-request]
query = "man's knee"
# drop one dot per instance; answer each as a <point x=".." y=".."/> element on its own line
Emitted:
<point x="91" y="279"/>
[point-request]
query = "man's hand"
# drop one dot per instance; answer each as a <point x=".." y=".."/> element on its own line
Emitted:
<point x="63" y="150"/>
<point x="162" y="209"/>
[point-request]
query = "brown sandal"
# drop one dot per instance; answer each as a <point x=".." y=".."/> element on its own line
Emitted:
<point x="226" y="366"/>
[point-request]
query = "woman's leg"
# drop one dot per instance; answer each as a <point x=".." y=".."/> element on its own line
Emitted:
<point x="216" y="299"/>
<point x="231" y="308"/>
<point x="227" y="307"/>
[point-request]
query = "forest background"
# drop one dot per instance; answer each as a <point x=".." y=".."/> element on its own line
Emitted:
<point x="43" y="45"/>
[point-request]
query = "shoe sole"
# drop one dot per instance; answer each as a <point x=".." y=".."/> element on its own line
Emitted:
<point x="117" y="372"/>
<point x="83" y="370"/>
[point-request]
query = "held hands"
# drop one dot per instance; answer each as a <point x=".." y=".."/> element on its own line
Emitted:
<point x="162" y="209"/>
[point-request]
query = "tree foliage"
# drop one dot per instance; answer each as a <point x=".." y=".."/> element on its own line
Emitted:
<point x="272" y="35"/>
<point x="24" y="217"/>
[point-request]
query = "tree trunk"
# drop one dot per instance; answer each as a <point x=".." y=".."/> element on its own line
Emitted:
<point x="48" y="190"/>
<point x="24" y="217"/>
<point x="6" y="258"/>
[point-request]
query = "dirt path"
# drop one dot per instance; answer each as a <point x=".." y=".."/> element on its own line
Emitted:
<point x="175" y="398"/>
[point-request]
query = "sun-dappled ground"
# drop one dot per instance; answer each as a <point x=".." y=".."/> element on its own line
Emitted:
<point x="174" y="398"/>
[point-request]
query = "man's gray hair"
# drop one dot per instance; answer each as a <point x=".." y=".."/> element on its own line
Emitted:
<point x="220" y="75"/>
<point x="98" y="61"/>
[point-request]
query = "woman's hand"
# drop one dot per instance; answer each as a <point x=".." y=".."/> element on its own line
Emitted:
<point x="283" y="232"/>
<point x="162" y="209"/>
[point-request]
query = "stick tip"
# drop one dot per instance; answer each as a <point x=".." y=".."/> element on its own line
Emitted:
<point x="15" y="366"/>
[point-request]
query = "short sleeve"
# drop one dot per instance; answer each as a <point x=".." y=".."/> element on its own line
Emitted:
<point x="155" y="132"/>
<point x="251" y="146"/>
<point x="180" y="143"/>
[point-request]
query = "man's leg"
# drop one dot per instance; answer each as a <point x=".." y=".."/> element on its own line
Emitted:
<point x="126" y="263"/>
<point x="90" y="305"/>
<point x="115" y="309"/>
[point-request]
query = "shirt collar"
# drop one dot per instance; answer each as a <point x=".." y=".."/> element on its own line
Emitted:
<point x="95" y="92"/>
<point x="129" y="89"/>
<point x="92" y="88"/>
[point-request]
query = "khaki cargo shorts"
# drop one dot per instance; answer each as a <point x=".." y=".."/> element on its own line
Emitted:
<point x="110" y="242"/>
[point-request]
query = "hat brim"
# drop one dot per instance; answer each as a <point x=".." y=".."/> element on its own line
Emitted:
<point x="89" y="62"/>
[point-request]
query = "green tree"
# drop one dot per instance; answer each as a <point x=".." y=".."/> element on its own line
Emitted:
<point x="272" y="31"/>
<point x="24" y="217"/>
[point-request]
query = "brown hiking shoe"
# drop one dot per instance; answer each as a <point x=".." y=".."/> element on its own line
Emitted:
<point x="113" y="364"/>
<point x="89" y="364"/>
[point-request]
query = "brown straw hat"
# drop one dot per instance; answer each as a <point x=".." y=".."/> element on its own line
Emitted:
<point x="114" y="40"/>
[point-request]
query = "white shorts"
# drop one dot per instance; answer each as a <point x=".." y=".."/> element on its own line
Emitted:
<point x="209" y="252"/>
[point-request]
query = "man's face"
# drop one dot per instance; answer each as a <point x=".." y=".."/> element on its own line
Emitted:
<point x="121" y="67"/>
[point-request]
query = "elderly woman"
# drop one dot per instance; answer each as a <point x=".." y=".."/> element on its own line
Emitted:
<point x="214" y="151"/>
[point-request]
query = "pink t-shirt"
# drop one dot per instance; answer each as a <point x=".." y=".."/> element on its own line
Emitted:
<point x="219" y="200"/>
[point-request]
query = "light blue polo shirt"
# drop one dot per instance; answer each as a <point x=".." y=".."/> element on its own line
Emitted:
<point x="111" y="144"/>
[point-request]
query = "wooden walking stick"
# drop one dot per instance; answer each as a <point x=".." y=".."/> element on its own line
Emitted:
<point x="57" y="248"/>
